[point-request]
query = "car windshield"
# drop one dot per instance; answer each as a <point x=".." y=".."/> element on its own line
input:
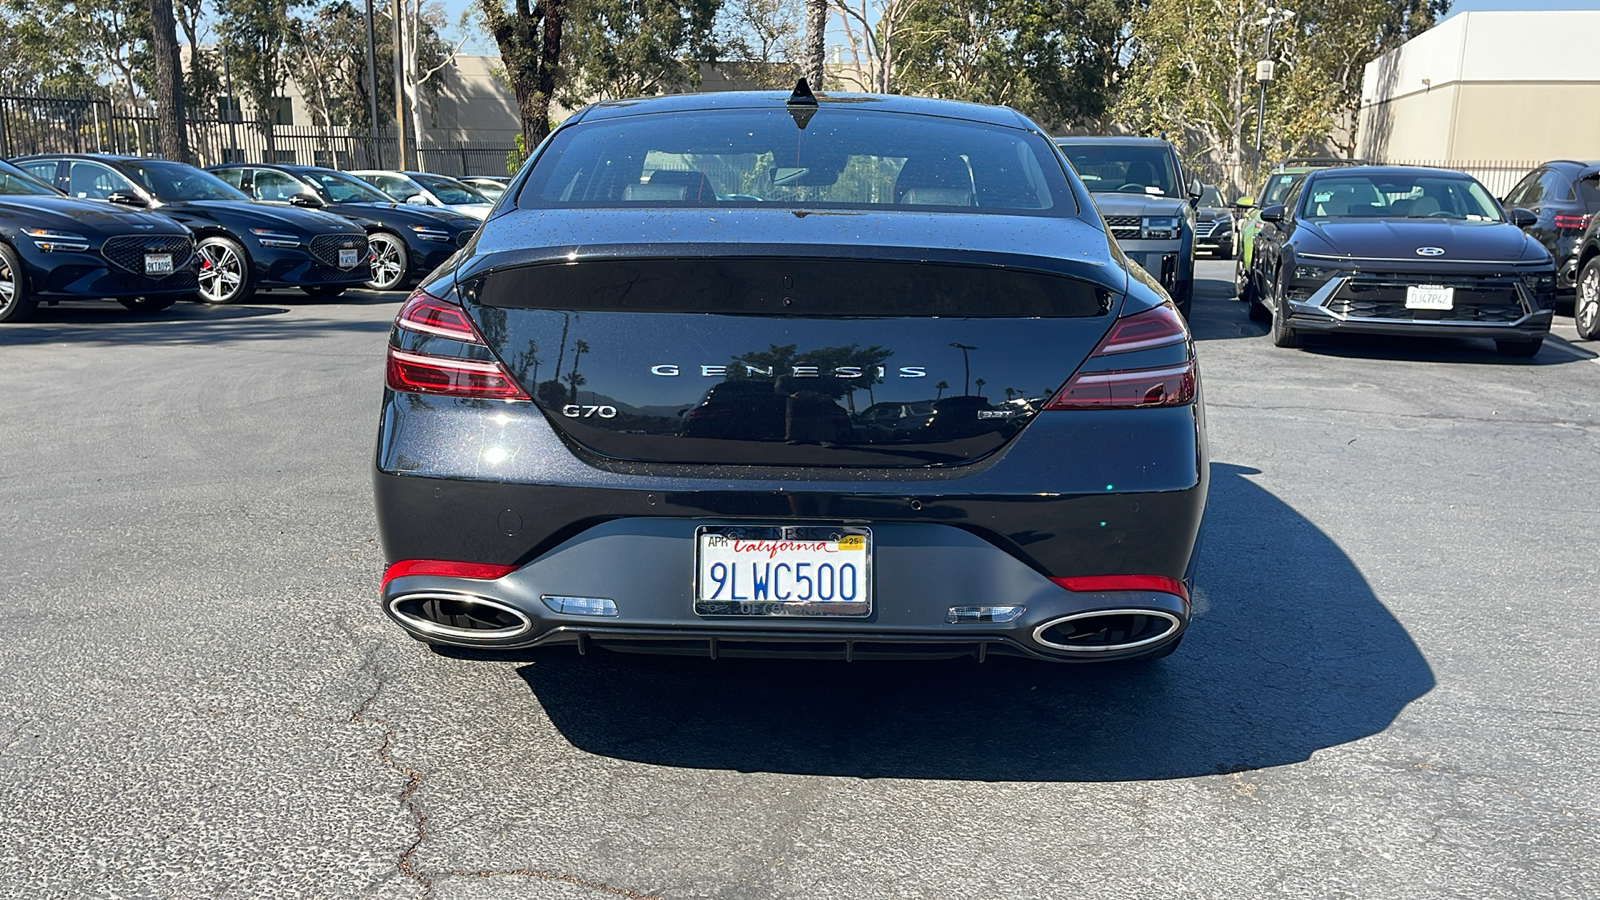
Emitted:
<point x="449" y="191"/>
<point x="843" y="159"/>
<point x="1278" y="187"/>
<point x="1399" y="196"/>
<point x="1211" y="197"/>
<point x="1124" y="168"/>
<point x="172" y="182"/>
<point x="337" y="187"/>
<point x="15" y="182"/>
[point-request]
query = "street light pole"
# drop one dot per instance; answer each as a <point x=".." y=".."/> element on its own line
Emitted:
<point x="966" y="371"/>
<point x="372" y="90"/>
<point x="1264" y="71"/>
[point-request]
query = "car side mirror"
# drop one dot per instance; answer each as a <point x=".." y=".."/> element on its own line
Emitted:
<point x="126" y="199"/>
<point x="1523" y="218"/>
<point x="1245" y="203"/>
<point x="1196" y="189"/>
<point x="1272" y="213"/>
<point x="309" y="201"/>
<point x="417" y="200"/>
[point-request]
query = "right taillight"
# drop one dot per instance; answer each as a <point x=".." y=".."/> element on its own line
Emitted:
<point x="429" y="373"/>
<point x="1171" y="384"/>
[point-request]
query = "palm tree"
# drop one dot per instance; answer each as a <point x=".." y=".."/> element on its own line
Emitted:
<point x="942" y="387"/>
<point x="979" y="382"/>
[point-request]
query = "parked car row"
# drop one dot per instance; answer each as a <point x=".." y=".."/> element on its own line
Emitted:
<point x="149" y="232"/>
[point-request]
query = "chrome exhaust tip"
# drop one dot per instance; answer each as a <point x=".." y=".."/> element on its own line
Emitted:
<point x="1107" y="630"/>
<point x="459" y="617"/>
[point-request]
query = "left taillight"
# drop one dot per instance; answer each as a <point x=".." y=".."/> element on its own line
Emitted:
<point x="416" y="372"/>
<point x="1143" y="387"/>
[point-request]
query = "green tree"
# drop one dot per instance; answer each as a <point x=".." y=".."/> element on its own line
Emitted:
<point x="761" y="41"/>
<point x="633" y="48"/>
<point x="529" y="35"/>
<point x="28" y="44"/>
<point x="105" y="39"/>
<point x="256" y="35"/>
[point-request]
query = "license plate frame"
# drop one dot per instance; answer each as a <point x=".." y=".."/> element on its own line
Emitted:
<point x="1430" y="296"/>
<point x="158" y="264"/>
<point x="715" y="544"/>
<point x="349" y="257"/>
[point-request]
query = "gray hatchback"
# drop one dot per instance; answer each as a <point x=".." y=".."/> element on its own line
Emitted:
<point x="1148" y="203"/>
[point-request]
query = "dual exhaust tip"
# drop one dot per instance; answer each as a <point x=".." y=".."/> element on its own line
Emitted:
<point x="474" y="619"/>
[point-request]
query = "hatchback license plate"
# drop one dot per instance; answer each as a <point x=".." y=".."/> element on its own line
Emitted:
<point x="783" y="570"/>
<point x="158" y="263"/>
<point x="348" y="258"/>
<point x="1430" y="296"/>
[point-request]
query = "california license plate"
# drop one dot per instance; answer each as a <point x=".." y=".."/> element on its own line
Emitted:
<point x="349" y="258"/>
<point x="1430" y="296"/>
<point x="158" y="263"/>
<point x="783" y="570"/>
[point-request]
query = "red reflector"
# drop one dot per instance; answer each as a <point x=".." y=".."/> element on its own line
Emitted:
<point x="1159" y="327"/>
<point x="431" y="315"/>
<point x="1577" y="223"/>
<point x="449" y="569"/>
<point x="1096" y="583"/>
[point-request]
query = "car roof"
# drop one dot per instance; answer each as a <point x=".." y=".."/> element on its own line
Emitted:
<point x="1390" y="170"/>
<point x="950" y="109"/>
<point x="1119" y="140"/>
<point x="99" y="157"/>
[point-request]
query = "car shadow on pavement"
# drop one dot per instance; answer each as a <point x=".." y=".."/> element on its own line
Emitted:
<point x="1290" y="653"/>
<point x="1421" y="348"/>
<point x="185" y="323"/>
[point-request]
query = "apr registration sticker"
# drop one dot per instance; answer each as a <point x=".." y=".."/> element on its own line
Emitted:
<point x="779" y="570"/>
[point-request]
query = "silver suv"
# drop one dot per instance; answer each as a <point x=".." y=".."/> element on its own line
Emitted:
<point x="1148" y="202"/>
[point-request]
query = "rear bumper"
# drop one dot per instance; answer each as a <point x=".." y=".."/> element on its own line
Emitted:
<point x="646" y="568"/>
<point x="1076" y="494"/>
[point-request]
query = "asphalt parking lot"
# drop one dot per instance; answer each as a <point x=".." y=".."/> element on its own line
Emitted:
<point x="1389" y="690"/>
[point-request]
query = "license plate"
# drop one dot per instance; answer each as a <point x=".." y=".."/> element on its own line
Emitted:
<point x="348" y="258"/>
<point x="158" y="263"/>
<point x="783" y="570"/>
<point x="1430" y="296"/>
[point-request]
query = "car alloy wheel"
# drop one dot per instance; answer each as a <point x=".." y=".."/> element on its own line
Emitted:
<point x="388" y="262"/>
<point x="1586" y="310"/>
<point x="15" y="303"/>
<point x="224" y="270"/>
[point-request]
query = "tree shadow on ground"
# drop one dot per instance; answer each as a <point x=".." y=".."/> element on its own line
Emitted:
<point x="1290" y="653"/>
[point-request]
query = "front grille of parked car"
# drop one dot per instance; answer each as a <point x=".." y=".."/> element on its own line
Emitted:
<point x="325" y="248"/>
<point x="1476" y="300"/>
<point x="1123" y="226"/>
<point x="1207" y="229"/>
<point x="127" y="251"/>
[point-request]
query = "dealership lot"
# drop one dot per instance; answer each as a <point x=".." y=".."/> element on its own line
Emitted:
<point x="1387" y="691"/>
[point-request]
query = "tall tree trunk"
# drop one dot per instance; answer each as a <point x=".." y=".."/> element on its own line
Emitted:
<point x="816" y="41"/>
<point x="171" y="138"/>
<point x="529" y="38"/>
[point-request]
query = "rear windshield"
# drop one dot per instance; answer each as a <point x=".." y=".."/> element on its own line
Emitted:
<point x="1405" y="196"/>
<point x="1124" y="168"/>
<point x="1210" y="197"/>
<point x="842" y="159"/>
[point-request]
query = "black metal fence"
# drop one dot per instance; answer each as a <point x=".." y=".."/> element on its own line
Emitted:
<point x="53" y="124"/>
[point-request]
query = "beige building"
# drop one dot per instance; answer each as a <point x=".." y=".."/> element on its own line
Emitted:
<point x="1489" y="92"/>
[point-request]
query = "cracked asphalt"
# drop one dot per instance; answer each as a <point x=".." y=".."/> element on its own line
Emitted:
<point x="1388" y="692"/>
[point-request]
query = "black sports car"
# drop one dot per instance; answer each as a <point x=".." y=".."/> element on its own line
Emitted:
<point x="540" y="479"/>
<point x="242" y="245"/>
<point x="1400" y="250"/>
<point x="407" y="242"/>
<point x="1213" y="224"/>
<point x="53" y="248"/>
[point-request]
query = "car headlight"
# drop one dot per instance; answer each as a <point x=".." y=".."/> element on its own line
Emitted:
<point x="1539" y="282"/>
<point x="57" y="241"/>
<point x="1159" y="228"/>
<point x="269" y="238"/>
<point x="429" y="233"/>
<point x="1319" y="274"/>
